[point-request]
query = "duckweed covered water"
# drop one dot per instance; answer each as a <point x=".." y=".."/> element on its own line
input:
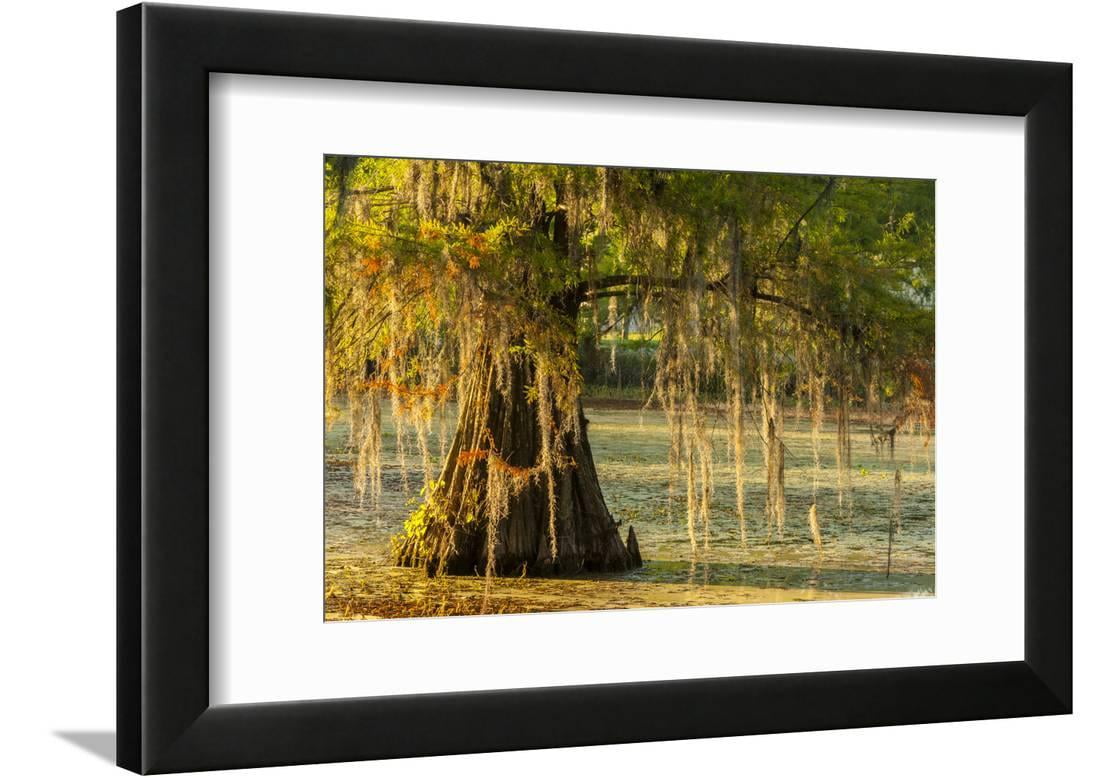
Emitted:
<point x="630" y="448"/>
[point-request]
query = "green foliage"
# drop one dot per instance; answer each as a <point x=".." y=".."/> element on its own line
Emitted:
<point x="430" y="511"/>
<point x="841" y="268"/>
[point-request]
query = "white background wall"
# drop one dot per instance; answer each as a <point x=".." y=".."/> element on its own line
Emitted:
<point x="57" y="383"/>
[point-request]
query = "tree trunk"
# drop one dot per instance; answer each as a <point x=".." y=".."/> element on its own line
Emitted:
<point x="499" y="427"/>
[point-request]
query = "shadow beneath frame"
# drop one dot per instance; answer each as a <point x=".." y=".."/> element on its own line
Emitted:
<point x="97" y="743"/>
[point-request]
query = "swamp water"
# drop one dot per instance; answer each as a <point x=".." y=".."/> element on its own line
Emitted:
<point x="630" y="448"/>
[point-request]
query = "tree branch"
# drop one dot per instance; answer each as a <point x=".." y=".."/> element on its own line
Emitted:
<point x="785" y="302"/>
<point x="599" y="289"/>
<point x="794" y="227"/>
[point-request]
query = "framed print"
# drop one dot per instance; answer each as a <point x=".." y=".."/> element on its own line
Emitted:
<point x="584" y="388"/>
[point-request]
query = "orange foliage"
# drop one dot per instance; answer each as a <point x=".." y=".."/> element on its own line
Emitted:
<point x="515" y="471"/>
<point x="469" y="455"/>
<point x="496" y="462"/>
<point x="437" y="392"/>
<point x="429" y="231"/>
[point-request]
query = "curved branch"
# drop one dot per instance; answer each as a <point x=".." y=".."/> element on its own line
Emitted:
<point x="820" y="198"/>
<point x="599" y="288"/>
<point x="785" y="302"/>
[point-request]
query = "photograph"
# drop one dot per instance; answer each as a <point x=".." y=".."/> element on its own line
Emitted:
<point x="554" y="387"/>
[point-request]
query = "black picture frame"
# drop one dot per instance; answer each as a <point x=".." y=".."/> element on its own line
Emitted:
<point x="165" y="720"/>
